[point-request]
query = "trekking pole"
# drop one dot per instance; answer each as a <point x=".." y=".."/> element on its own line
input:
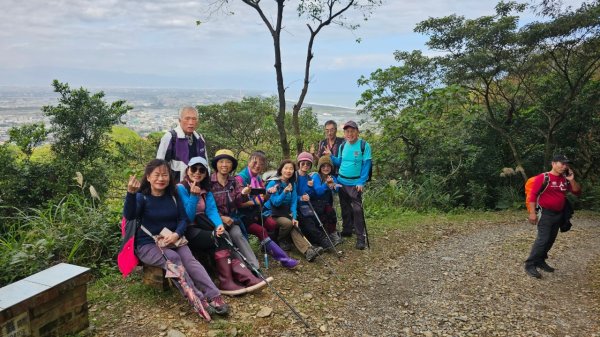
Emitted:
<point x="262" y="225"/>
<point x="339" y="254"/>
<point x="259" y="274"/>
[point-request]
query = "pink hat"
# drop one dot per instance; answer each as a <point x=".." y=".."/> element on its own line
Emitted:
<point x="305" y="156"/>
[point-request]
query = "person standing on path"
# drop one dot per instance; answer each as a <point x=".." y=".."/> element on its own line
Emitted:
<point x="354" y="162"/>
<point x="551" y="214"/>
<point x="179" y="145"/>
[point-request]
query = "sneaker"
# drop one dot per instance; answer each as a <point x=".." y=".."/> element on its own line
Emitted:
<point x="336" y="238"/>
<point x="533" y="272"/>
<point x="312" y="253"/>
<point x="360" y="245"/>
<point x="219" y="306"/>
<point x="545" y="267"/>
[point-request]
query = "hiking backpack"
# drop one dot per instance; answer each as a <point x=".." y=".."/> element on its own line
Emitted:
<point x="529" y="186"/>
<point x="363" y="144"/>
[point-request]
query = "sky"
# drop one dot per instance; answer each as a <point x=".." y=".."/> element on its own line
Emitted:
<point x="157" y="43"/>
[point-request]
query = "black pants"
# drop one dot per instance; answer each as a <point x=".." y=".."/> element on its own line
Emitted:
<point x="311" y="229"/>
<point x="353" y="216"/>
<point x="547" y="230"/>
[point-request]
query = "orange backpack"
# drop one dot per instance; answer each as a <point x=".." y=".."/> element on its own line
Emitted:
<point x="529" y="185"/>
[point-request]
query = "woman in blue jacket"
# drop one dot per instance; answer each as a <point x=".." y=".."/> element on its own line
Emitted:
<point x="282" y="205"/>
<point x="206" y="230"/>
<point x="325" y="185"/>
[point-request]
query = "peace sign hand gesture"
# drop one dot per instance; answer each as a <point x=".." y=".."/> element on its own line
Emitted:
<point x="133" y="185"/>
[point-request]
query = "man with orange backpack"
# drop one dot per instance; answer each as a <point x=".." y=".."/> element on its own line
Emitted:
<point x="547" y="210"/>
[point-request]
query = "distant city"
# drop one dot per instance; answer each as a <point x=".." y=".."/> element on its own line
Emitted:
<point x="154" y="109"/>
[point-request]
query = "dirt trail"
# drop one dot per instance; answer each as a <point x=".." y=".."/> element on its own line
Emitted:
<point x="473" y="284"/>
<point x="439" y="279"/>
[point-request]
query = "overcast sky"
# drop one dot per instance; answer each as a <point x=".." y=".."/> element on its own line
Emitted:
<point x="156" y="43"/>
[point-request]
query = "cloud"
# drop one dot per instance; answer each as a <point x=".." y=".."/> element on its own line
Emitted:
<point x="159" y="39"/>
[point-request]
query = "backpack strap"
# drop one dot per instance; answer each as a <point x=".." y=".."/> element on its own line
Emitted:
<point x="542" y="188"/>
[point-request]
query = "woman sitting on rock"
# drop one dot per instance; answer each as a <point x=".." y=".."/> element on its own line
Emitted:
<point x="154" y="203"/>
<point x="251" y="210"/>
<point x="282" y="205"/>
<point x="205" y="231"/>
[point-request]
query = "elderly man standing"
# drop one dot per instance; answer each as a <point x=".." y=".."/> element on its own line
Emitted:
<point x="182" y="143"/>
<point x="354" y="162"/>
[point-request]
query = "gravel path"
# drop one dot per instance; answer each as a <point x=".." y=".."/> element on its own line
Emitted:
<point x="473" y="284"/>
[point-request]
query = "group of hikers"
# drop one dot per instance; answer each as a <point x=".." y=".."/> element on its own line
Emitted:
<point x="187" y="206"/>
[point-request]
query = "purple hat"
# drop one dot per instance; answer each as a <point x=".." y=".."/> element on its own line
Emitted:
<point x="350" y="124"/>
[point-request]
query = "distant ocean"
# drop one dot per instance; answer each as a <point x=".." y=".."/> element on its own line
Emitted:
<point x="155" y="109"/>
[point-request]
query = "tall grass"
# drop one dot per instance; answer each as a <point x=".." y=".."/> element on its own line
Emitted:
<point x="76" y="230"/>
<point x="383" y="198"/>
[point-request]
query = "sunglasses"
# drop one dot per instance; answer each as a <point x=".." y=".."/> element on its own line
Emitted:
<point x="305" y="163"/>
<point x="198" y="168"/>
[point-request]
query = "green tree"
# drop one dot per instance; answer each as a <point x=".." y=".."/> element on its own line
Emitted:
<point x="80" y="122"/>
<point x="28" y="136"/>
<point x="528" y="79"/>
<point x="319" y="14"/>
<point x="239" y="126"/>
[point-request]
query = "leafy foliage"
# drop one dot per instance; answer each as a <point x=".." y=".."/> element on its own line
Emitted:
<point x="496" y="96"/>
<point x="81" y="121"/>
<point x="76" y="230"/>
<point x="28" y="136"/>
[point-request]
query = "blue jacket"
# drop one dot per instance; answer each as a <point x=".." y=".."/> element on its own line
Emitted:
<point x="190" y="203"/>
<point x="281" y="198"/>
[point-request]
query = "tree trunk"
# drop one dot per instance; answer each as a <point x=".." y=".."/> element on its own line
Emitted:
<point x="280" y="118"/>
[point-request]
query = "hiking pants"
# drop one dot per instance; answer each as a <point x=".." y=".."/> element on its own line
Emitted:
<point x="238" y="239"/>
<point x="262" y="232"/>
<point x="150" y="254"/>
<point x="286" y="229"/>
<point x="313" y="232"/>
<point x="547" y="230"/>
<point x="352" y="211"/>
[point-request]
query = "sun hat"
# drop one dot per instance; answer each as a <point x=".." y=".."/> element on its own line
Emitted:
<point x="224" y="154"/>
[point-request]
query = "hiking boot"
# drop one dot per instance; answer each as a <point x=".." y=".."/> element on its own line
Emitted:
<point x="279" y="254"/>
<point x="312" y="253"/>
<point x="336" y="238"/>
<point x="360" y="245"/>
<point x="227" y="285"/>
<point x="219" y="306"/>
<point x="545" y="267"/>
<point x="532" y="271"/>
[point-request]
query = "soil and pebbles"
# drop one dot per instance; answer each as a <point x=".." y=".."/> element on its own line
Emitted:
<point x="437" y="279"/>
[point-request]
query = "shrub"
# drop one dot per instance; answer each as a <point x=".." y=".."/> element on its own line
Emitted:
<point x="79" y="230"/>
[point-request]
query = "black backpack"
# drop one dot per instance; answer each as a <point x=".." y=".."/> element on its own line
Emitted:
<point x="363" y="144"/>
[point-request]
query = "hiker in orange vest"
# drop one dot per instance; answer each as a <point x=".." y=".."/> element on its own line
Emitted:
<point x="551" y="214"/>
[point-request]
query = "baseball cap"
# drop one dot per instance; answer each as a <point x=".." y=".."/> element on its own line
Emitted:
<point x="351" y="124"/>
<point x="561" y="158"/>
